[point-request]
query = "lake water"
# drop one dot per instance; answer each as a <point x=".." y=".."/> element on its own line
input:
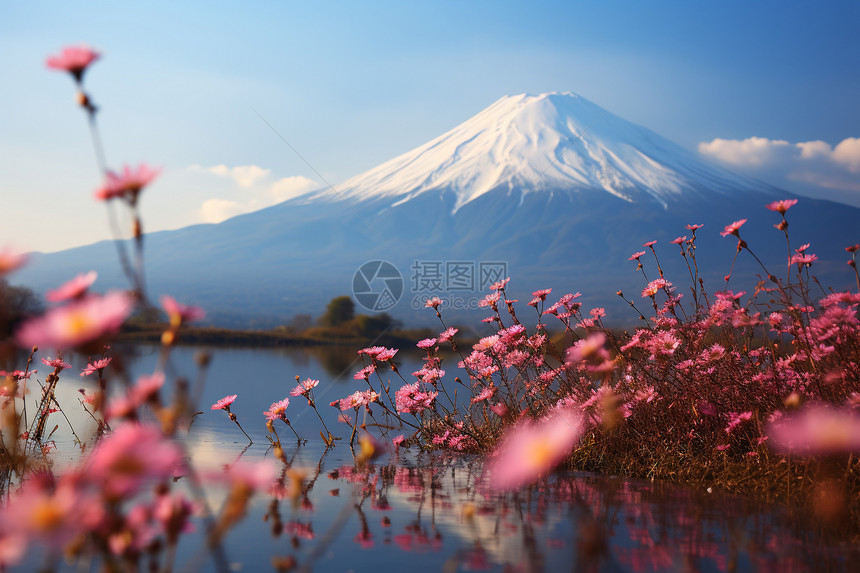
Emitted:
<point x="412" y="511"/>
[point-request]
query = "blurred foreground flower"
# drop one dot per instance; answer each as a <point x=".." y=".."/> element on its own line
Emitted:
<point x="180" y="313"/>
<point x="73" y="289"/>
<point x="78" y="322"/>
<point x="128" y="184"/>
<point x="73" y="59"/>
<point x="817" y="430"/>
<point x="10" y="260"/>
<point x="531" y="449"/>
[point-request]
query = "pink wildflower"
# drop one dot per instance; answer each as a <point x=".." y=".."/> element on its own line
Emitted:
<point x="679" y="240"/>
<point x="365" y="372"/>
<point x="499" y="409"/>
<point x="179" y="314"/>
<point x="386" y="354"/>
<point x="531" y="449"/>
<point x="73" y="59"/>
<point x="448" y="334"/>
<point x="781" y="206"/>
<point x="96" y="366"/>
<point x="56" y="363"/>
<point x="304" y="387"/>
<point x="655" y="286"/>
<point x="277" y="411"/>
<point x="484" y="394"/>
<point x="490" y="300"/>
<point x="356" y="400"/>
<point x="818" y="430"/>
<point x="733" y="229"/>
<point x="433" y="302"/>
<point x="426" y="343"/>
<point x="736" y="419"/>
<point x="78" y="322"/>
<point x="693" y="228"/>
<point x="499" y="285"/>
<point x="397" y="440"/>
<point x="73" y="289"/>
<point x="128" y="184"/>
<point x="636" y="256"/>
<point x="410" y="399"/>
<point x="10" y="260"/>
<point x="131" y="455"/>
<point x="801" y="259"/>
<point x="224" y="403"/>
<point x="650" y="244"/>
<point x="541" y="294"/>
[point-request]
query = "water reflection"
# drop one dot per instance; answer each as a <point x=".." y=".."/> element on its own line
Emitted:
<point x="416" y="511"/>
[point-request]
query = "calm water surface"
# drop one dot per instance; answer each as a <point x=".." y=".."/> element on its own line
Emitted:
<point x="412" y="511"/>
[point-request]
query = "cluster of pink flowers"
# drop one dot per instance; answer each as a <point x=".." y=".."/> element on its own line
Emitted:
<point x="410" y="399"/>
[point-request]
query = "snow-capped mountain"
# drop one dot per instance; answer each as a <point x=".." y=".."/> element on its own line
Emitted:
<point x="545" y="143"/>
<point x="551" y="189"/>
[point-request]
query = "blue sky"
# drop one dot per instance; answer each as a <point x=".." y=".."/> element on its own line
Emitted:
<point x="351" y="85"/>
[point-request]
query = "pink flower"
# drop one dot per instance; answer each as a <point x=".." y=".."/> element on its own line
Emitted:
<point x="131" y="455"/>
<point x="426" y="343"/>
<point x="128" y="184"/>
<point x="365" y="372"/>
<point x="434" y="302"/>
<point x="499" y="409"/>
<point x="277" y="411"/>
<point x="781" y="206"/>
<point x="817" y="430"/>
<point x="694" y="228"/>
<point x="78" y="322"/>
<point x="73" y="289"/>
<point x="410" y="399"/>
<point x="397" y="441"/>
<point x="179" y="314"/>
<point x="386" y="355"/>
<point x="801" y="259"/>
<point x="499" y="285"/>
<point x="371" y="351"/>
<point x="96" y="366"/>
<point x="10" y="260"/>
<point x="733" y="229"/>
<point x="650" y="244"/>
<point x="484" y="394"/>
<point x="490" y="300"/>
<point x="541" y="294"/>
<point x="73" y="59"/>
<point x="224" y="403"/>
<point x="531" y="449"/>
<point x="56" y="363"/>
<point x="679" y="240"/>
<point x="304" y="387"/>
<point x="655" y="286"/>
<point x="356" y="400"/>
<point x="636" y="256"/>
<point x="736" y="419"/>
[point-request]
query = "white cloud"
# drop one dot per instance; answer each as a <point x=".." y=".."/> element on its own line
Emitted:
<point x="254" y="189"/>
<point x="847" y="153"/>
<point x="217" y="210"/>
<point x="807" y="167"/>
<point x="289" y="187"/>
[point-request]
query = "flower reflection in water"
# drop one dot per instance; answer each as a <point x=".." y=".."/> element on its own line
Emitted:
<point x="444" y="510"/>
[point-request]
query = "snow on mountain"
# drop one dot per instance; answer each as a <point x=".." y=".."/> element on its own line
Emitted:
<point x="546" y="142"/>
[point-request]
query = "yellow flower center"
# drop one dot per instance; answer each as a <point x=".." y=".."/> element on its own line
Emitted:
<point x="47" y="516"/>
<point x="540" y="455"/>
<point x="77" y="323"/>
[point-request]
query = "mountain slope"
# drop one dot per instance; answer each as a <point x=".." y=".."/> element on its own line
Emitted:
<point x="553" y="187"/>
